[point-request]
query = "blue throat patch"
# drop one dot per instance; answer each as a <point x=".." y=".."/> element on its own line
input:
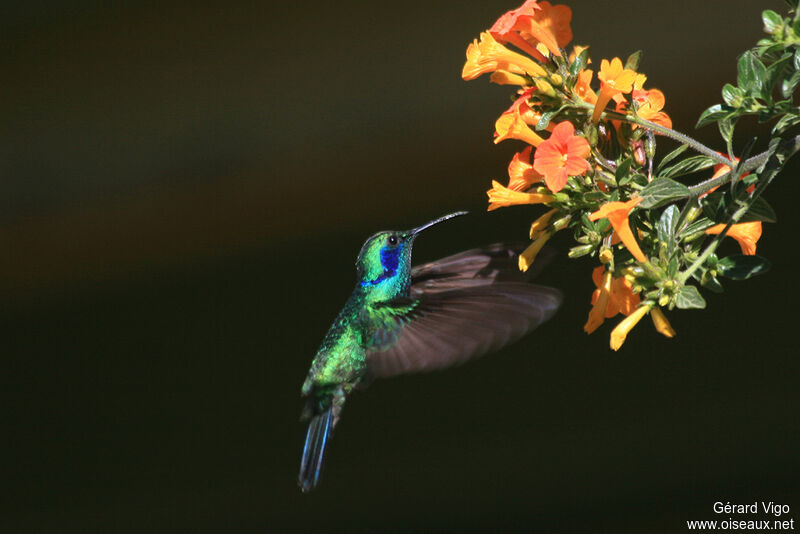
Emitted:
<point x="390" y="259"/>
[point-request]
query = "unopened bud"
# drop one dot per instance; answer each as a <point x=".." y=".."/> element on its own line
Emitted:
<point x="582" y="250"/>
<point x="544" y="87"/>
<point x="556" y="79"/>
<point x="639" y="155"/>
<point x="606" y="255"/>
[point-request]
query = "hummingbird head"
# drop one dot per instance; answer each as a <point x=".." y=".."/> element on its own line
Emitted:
<point x="385" y="258"/>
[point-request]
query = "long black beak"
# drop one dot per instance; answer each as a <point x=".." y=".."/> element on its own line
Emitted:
<point x="427" y="225"/>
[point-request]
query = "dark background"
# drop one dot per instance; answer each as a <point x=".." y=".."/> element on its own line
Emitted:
<point x="184" y="189"/>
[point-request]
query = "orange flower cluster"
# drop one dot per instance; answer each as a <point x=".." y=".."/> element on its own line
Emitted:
<point x="564" y="166"/>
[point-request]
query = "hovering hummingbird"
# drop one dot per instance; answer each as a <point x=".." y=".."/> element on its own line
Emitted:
<point x="401" y="319"/>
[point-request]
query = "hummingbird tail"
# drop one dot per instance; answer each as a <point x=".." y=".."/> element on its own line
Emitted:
<point x="319" y="431"/>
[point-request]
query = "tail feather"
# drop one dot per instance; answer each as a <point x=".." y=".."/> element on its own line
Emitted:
<point x="319" y="431"/>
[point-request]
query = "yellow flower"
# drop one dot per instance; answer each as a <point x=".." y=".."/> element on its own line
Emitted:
<point x="616" y="80"/>
<point x="583" y="88"/>
<point x="661" y="323"/>
<point x="617" y="214"/>
<point x="501" y="197"/>
<point x="541" y="223"/>
<point x="747" y="234"/>
<point x="612" y="296"/>
<point x="529" y="254"/>
<point x="487" y="55"/>
<point x="511" y="125"/>
<point x="620" y="332"/>
<point x="504" y="77"/>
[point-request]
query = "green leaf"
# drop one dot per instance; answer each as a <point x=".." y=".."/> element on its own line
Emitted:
<point x="712" y="114"/>
<point x="580" y="63"/>
<point x="760" y="210"/>
<point x="661" y="191"/>
<point x="741" y="267"/>
<point x="785" y="122"/>
<point x="669" y="157"/>
<point x="667" y="223"/>
<point x="773" y="23"/>
<point x="623" y="170"/>
<point x="726" y="127"/>
<point x="545" y="119"/>
<point x="732" y="95"/>
<point x="689" y="298"/>
<point x="687" y="166"/>
<point x="632" y="62"/>
<point x="699" y="225"/>
<point x="788" y="85"/>
<point x="750" y="74"/>
<point x="711" y="283"/>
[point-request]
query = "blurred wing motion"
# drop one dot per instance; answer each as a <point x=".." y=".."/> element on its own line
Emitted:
<point x="460" y="307"/>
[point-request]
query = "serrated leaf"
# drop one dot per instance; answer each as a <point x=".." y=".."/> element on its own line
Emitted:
<point x="687" y="166"/>
<point x="689" y="298"/>
<point x="741" y="267"/>
<point x="667" y="223"/>
<point x="661" y="191"/>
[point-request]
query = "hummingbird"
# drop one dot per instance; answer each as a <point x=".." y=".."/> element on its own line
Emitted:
<point x="402" y="319"/>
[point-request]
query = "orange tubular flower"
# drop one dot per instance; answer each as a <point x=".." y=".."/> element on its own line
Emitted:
<point x="511" y="125"/>
<point x="650" y="103"/>
<point x="521" y="173"/>
<point x="529" y="254"/>
<point x="617" y="214"/>
<point x="488" y="56"/>
<point x="620" y="331"/>
<point x="583" y="88"/>
<point x="503" y="77"/>
<point x="612" y="296"/>
<point x="561" y="156"/>
<point x="533" y="23"/>
<point x="501" y="197"/>
<point x="747" y="234"/>
<point x="615" y="80"/>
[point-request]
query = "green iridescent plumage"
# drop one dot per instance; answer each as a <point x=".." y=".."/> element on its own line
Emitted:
<point x="401" y="319"/>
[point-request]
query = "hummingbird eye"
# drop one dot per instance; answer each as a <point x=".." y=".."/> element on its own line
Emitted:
<point x="393" y="240"/>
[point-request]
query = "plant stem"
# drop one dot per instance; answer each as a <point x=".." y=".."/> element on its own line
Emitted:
<point x="681" y="138"/>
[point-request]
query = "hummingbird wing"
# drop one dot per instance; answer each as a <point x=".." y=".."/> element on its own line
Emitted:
<point x="460" y="307"/>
